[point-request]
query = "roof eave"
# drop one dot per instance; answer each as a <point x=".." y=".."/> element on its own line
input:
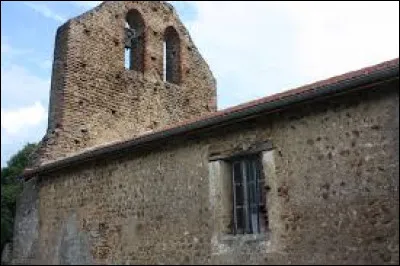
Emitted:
<point x="312" y="94"/>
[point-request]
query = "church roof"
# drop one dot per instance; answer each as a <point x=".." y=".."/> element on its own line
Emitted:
<point x="355" y="80"/>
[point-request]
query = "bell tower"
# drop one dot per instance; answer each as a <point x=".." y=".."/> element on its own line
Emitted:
<point x="123" y="69"/>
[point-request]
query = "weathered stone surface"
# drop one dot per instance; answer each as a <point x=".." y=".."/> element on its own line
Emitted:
<point x="74" y="247"/>
<point x="332" y="170"/>
<point x="6" y="254"/>
<point x="26" y="226"/>
<point x="154" y="206"/>
<point x="94" y="99"/>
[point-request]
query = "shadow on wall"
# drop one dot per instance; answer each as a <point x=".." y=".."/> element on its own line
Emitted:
<point x="74" y="246"/>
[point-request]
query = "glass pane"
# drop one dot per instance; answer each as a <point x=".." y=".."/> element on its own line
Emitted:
<point x="237" y="173"/>
<point x="239" y="195"/>
<point x="250" y="193"/>
<point x="164" y="61"/>
<point x="127" y="58"/>
<point x="254" y="219"/>
<point x="250" y="171"/>
<point x="239" y="220"/>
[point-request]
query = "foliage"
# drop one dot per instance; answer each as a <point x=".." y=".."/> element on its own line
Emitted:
<point x="11" y="187"/>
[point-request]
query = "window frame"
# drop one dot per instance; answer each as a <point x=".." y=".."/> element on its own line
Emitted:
<point x="257" y="201"/>
<point x="172" y="64"/>
<point x="134" y="41"/>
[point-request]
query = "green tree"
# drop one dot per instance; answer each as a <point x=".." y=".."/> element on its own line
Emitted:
<point x="11" y="187"/>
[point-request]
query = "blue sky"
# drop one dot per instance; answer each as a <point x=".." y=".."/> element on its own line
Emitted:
<point x="253" y="48"/>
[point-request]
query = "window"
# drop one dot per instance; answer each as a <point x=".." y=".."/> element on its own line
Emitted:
<point x="171" y="56"/>
<point x="134" y="41"/>
<point x="249" y="206"/>
<point x="164" y="61"/>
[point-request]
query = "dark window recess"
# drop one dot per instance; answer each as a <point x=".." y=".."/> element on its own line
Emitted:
<point x="249" y="204"/>
<point x="134" y="41"/>
<point x="171" y="56"/>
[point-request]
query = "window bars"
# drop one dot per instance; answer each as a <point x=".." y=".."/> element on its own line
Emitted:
<point x="248" y="201"/>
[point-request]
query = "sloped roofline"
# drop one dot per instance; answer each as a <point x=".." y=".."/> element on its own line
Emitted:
<point x="350" y="81"/>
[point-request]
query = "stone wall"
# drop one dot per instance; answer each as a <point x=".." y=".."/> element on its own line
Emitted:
<point x="26" y="225"/>
<point x="95" y="100"/>
<point x="333" y="192"/>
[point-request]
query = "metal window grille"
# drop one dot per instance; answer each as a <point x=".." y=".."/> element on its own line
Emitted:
<point x="248" y="199"/>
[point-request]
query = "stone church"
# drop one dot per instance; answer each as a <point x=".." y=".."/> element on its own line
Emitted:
<point x="139" y="167"/>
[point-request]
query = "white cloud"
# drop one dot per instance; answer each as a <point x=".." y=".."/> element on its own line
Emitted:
<point x="259" y="48"/>
<point x="87" y="4"/>
<point x="8" y="50"/>
<point x="45" y="11"/>
<point x="5" y="47"/>
<point x="20" y="87"/>
<point x="10" y="54"/>
<point x="24" y="95"/>
<point x="23" y="118"/>
<point x="336" y="37"/>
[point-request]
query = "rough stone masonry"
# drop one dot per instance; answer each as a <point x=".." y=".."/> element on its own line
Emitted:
<point x="136" y="165"/>
<point x="95" y="100"/>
